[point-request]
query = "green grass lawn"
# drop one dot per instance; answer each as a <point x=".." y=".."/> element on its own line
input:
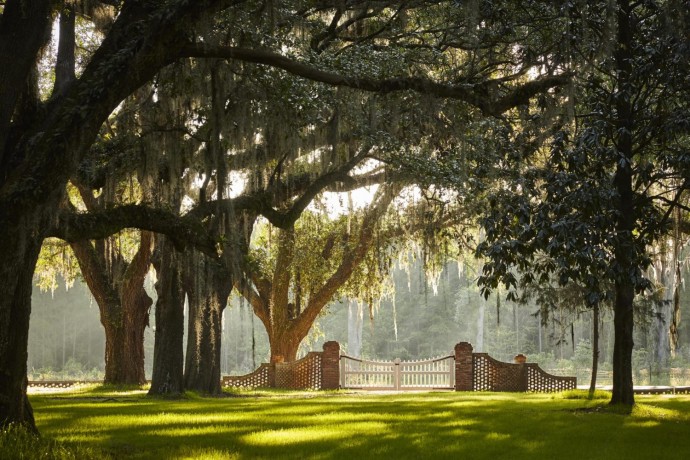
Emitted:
<point x="356" y="426"/>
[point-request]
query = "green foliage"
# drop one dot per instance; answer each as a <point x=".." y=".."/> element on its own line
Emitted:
<point x="56" y="261"/>
<point x="559" y="216"/>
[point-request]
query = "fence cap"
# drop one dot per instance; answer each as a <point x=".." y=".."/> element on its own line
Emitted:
<point x="331" y="345"/>
<point x="463" y="347"/>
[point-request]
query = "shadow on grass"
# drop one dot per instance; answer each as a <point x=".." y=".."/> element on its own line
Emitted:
<point x="428" y="425"/>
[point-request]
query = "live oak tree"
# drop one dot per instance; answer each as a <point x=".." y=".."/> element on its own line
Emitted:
<point x="289" y="281"/>
<point x="43" y="141"/>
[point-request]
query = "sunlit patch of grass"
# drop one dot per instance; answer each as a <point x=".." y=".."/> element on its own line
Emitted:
<point x="18" y="443"/>
<point x="585" y="394"/>
<point x="341" y="425"/>
<point x="187" y="453"/>
<point x="497" y="436"/>
<point x="287" y="437"/>
<point x="642" y="410"/>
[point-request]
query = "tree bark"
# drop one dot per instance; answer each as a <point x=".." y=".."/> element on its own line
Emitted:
<point x="124" y="311"/>
<point x="665" y="275"/>
<point x="168" y="356"/>
<point x="20" y="249"/>
<point x="595" y="349"/>
<point x="284" y="345"/>
<point x="625" y="259"/>
<point x="208" y="285"/>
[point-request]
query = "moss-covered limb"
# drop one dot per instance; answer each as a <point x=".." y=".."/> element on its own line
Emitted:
<point x="304" y="187"/>
<point x="475" y="95"/>
<point x="140" y="42"/>
<point x="184" y="232"/>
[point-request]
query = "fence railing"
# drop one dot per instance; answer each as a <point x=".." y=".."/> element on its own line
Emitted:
<point x="435" y="373"/>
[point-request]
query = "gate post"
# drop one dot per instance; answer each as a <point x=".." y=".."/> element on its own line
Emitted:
<point x="464" y="367"/>
<point x="330" y="366"/>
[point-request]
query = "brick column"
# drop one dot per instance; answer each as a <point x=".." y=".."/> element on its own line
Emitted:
<point x="330" y="366"/>
<point x="464" y="368"/>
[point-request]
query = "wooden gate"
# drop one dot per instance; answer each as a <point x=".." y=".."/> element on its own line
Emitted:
<point x="430" y="374"/>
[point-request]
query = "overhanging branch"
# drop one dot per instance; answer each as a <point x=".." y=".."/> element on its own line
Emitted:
<point x="182" y="231"/>
<point x="476" y="95"/>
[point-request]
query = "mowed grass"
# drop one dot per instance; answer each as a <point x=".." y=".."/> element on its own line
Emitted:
<point x="358" y="426"/>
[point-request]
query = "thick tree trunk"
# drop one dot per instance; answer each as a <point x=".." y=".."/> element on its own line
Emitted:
<point x="114" y="348"/>
<point x="124" y="311"/>
<point x="626" y="263"/>
<point x="168" y="356"/>
<point x="623" y="345"/>
<point x="124" y="341"/>
<point x="209" y="287"/>
<point x="19" y="248"/>
<point x="284" y="345"/>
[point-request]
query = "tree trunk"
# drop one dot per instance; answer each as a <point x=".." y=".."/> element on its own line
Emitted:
<point x="623" y="345"/>
<point x="136" y="320"/>
<point x="124" y="341"/>
<point x="625" y="260"/>
<point x="284" y="345"/>
<point x="595" y="349"/>
<point x="665" y="274"/>
<point x="19" y="247"/>
<point x="355" y="322"/>
<point x="677" y="282"/>
<point x="208" y="290"/>
<point x="124" y="311"/>
<point x="168" y="356"/>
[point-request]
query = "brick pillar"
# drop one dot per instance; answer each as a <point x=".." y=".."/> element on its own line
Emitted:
<point x="464" y="368"/>
<point x="330" y="366"/>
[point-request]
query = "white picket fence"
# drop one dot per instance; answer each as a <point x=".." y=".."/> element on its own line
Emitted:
<point x="434" y="373"/>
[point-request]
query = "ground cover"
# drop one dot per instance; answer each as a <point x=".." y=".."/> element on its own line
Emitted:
<point x="338" y="425"/>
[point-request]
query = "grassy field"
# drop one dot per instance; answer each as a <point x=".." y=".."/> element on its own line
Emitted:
<point x="338" y="425"/>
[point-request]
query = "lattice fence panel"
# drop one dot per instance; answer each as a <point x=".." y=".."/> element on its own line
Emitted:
<point x="260" y="378"/>
<point x="484" y="372"/>
<point x="540" y="381"/>
<point x="61" y="383"/>
<point x="303" y="374"/>
<point x="493" y="375"/>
